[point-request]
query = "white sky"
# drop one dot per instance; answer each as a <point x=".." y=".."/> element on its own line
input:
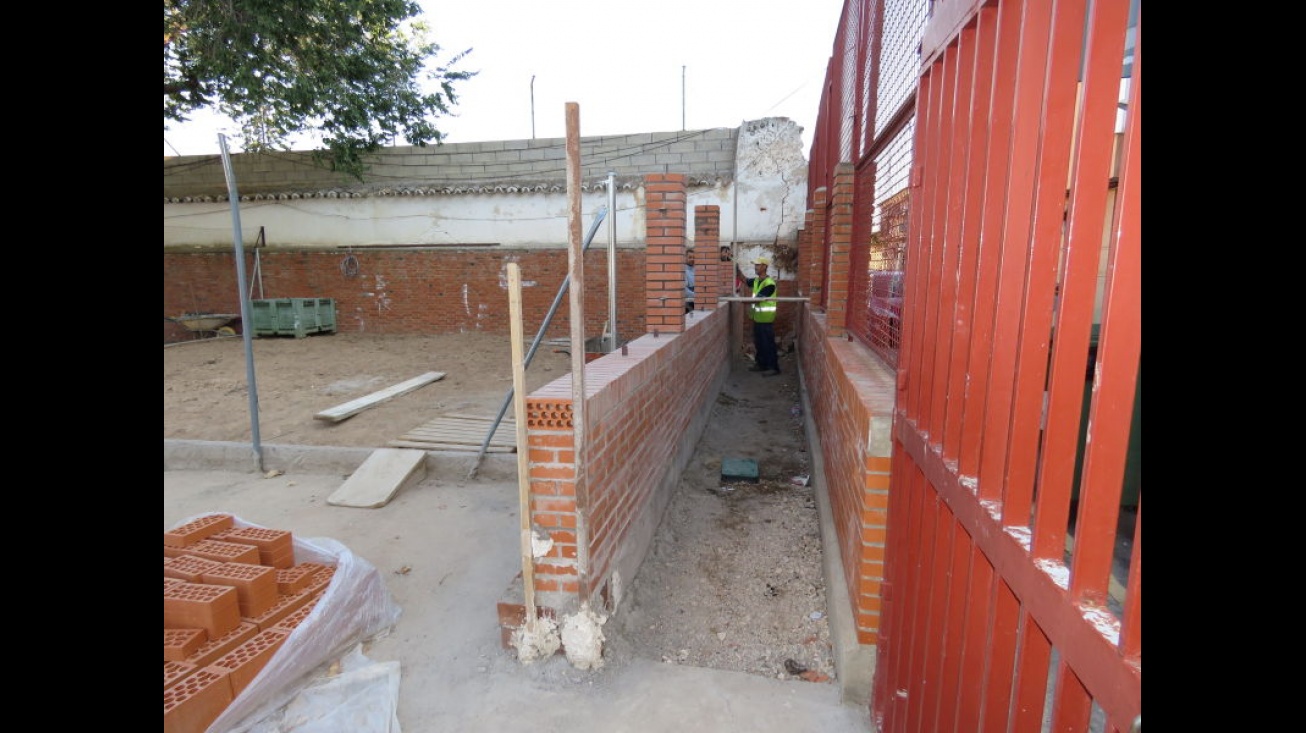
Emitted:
<point x="631" y="67"/>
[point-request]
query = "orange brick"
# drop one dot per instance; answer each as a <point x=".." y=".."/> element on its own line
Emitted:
<point x="296" y="618"/>
<point x="215" y="648"/>
<point x="181" y="643"/>
<point x="197" y="530"/>
<point x="245" y="661"/>
<point x="224" y="551"/>
<point x="285" y="606"/>
<point x="276" y="546"/>
<point x="189" y="568"/>
<point x="213" y="608"/>
<point x="293" y="580"/>
<point x="174" y="672"/>
<point x="256" y="585"/>
<point x="196" y="701"/>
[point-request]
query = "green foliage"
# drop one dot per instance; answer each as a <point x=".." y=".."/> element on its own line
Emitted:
<point x="349" y="72"/>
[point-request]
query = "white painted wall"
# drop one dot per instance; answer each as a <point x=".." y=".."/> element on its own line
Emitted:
<point x="763" y="205"/>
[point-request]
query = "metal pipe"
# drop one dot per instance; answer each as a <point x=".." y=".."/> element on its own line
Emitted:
<point x="245" y="320"/>
<point x="548" y="318"/>
<point x="612" y="263"/>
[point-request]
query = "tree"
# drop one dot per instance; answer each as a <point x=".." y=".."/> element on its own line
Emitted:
<point x="348" y="71"/>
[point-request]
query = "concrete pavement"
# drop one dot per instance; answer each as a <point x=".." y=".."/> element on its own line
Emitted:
<point x="446" y="549"/>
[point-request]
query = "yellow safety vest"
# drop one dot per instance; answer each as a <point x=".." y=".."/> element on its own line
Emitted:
<point x="763" y="312"/>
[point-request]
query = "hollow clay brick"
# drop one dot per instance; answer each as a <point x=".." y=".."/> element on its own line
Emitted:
<point x="215" y="648"/>
<point x="286" y="605"/>
<point x="224" y="551"/>
<point x="247" y="660"/>
<point x="197" y="530"/>
<point x="256" y="585"/>
<point x="189" y="568"/>
<point x="194" y="702"/>
<point x="294" y="579"/>
<point x="174" y="672"/>
<point x="295" y="619"/>
<point x="320" y="581"/>
<point x="276" y="546"/>
<point x="214" y="608"/>
<point x="181" y="643"/>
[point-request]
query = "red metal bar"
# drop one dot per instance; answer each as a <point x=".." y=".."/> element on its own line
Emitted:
<point x="1004" y="409"/>
<point x="1033" y="661"/>
<point x="980" y="420"/>
<point x="942" y="716"/>
<point x="977" y="75"/>
<point x="936" y="628"/>
<point x="975" y="642"/>
<point x="1000" y="664"/>
<point x="1072" y="708"/>
<point x="944" y="268"/>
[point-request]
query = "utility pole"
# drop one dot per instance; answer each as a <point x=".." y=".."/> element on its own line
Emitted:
<point x="532" y="106"/>
<point x="682" y="98"/>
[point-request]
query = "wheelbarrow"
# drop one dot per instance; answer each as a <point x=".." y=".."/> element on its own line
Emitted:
<point x="200" y="323"/>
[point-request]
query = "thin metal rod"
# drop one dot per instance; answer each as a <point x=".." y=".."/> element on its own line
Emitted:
<point x="548" y="318"/>
<point x="612" y="263"/>
<point x="245" y="320"/>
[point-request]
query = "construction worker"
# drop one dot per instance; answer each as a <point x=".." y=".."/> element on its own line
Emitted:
<point x="763" y="312"/>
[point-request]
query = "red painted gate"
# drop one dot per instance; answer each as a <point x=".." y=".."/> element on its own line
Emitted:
<point x="1013" y="593"/>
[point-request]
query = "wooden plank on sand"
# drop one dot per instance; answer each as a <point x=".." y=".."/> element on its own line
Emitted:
<point x="353" y="407"/>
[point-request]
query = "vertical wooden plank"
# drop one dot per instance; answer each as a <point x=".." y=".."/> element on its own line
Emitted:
<point x="523" y="441"/>
<point x="576" y="271"/>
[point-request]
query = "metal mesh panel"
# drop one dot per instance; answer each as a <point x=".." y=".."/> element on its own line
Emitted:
<point x="904" y="20"/>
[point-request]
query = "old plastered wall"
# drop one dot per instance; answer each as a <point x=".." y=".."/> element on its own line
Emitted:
<point x="508" y="194"/>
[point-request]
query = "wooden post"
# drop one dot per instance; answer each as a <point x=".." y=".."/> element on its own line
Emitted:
<point x="576" y="261"/>
<point x="523" y="451"/>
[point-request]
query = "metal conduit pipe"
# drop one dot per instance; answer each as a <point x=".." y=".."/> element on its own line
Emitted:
<point x="530" y="354"/>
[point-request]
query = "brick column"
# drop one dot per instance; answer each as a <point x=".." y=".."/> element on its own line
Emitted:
<point x="664" y="206"/>
<point x="711" y="274"/>
<point x="819" y="248"/>
<point x="840" y="238"/>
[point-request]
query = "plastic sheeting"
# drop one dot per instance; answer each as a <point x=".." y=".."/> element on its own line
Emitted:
<point x="355" y="607"/>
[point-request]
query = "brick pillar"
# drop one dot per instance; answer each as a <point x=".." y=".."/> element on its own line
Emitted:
<point x="664" y="206"/>
<point x="840" y="237"/>
<point x="711" y="274"/>
<point x="815" y="258"/>
<point x="553" y="491"/>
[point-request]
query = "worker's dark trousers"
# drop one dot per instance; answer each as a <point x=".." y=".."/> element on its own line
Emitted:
<point x="764" y="341"/>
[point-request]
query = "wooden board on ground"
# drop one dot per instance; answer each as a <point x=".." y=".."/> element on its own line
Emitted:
<point x="460" y="433"/>
<point x="353" y="407"/>
<point x="380" y="477"/>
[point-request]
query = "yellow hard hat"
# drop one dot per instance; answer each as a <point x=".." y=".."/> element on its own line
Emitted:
<point x="762" y="261"/>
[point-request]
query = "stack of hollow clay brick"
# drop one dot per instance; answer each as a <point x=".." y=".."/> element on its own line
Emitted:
<point x="231" y="597"/>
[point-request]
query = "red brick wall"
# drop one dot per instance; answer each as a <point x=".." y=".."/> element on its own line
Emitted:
<point x="852" y="407"/>
<point x="665" y="249"/>
<point x="646" y="406"/>
<point x="646" y="409"/>
<point x="396" y="291"/>
<point x="840" y="237"/>
<point x="812" y="254"/>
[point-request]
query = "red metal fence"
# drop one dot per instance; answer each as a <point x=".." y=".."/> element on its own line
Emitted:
<point x="996" y="263"/>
